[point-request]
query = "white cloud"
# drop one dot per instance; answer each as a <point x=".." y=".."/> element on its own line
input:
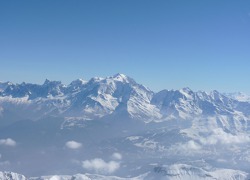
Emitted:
<point x="192" y="145"/>
<point x="219" y="136"/>
<point x="188" y="148"/>
<point x="8" y="142"/>
<point x="117" y="156"/>
<point x="100" y="166"/>
<point x="73" y="145"/>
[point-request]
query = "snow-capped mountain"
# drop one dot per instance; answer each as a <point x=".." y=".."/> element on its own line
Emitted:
<point x="239" y="96"/>
<point x="94" y="99"/>
<point x="172" y="172"/>
<point x="115" y="128"/>
<point x="4" y="85"/>
<point x="11" y="176"/>
<point x="117" y="95"/>
<point x="185" y="104"/>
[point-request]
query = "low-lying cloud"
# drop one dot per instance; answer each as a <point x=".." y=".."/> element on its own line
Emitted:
<point x="189" y="148"/>
<point x="117" y="156"/>
<point x="219" y="136"/>
<point x="8" y="142"/>
<point x="100" y="166"/>
<point x="73" y="145"/>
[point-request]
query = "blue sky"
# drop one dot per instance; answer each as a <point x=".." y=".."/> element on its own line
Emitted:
<point x="163" y="44"/>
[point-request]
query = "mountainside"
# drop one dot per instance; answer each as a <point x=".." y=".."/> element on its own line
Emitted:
<point x="239" y="96"/>
<point x="11" y="176"/>
<point x="115" y="128"/>
<point x="173" y="172"/>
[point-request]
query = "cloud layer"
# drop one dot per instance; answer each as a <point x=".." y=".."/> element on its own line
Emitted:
<point x="219" y="136"/>
<point x="73" y="145"/>
<point x="100" y="166"/>
<point x="8" y="142"/>
<point x="117" y="156"/>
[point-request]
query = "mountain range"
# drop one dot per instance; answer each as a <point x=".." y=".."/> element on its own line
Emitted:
<point x="115" y="128"/>
<point x="115" y="96"/>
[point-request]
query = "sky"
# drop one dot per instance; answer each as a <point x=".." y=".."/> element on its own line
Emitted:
<point x="163" y="44"/>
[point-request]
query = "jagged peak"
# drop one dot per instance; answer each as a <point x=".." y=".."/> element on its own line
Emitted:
<point x="186" y="90"/>
<point x="215" y="92"/>
<point x="119" y="77"/>
<point x="6" y="84"/>
<point x="48" y="82"/>
<point x="95" y="79"/>
<point x="78" y="81"/>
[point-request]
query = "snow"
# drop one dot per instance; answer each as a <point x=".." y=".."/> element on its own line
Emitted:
<point x="188" y="172"/>
<point x="239" y="96"/>
<point x="164" y="172"/>
<point x="11" y="176"/>
<point x="14" y="176"/>
<point x="120" y="77"/>
<point x="100" y="97"/>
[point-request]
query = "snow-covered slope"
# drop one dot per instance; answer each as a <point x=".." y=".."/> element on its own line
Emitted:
<point x="4" y="85"/>
<point x="239" y="96"/>
<point x="164" y="172"/>
<point x="188" y="172"/>
<point x="11" y="176"/>
<point x="185" y="103"/>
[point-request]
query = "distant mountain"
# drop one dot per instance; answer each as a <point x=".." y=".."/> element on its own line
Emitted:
<point x="4" y="85"/>
<point x="119" y="96"/>
<point x="173" y="172"/>
<point x="11" y="176"/>
<point x="239" y="96"/>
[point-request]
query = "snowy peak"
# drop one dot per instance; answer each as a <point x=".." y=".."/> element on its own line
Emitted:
<point x="52" y="83"/>
<point x="185" y="104"/>
<point x="239" y="96"/>
<point x="184" y="171"/>
<point x="78" y="82"/>
<point x="122" y="78"/>
<point x="186" y="90"/>
<point x="119" y="95"/>
<point x="11" y="176"/>
<point x="4" y="85"/>
<point x="33" y="91"/>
